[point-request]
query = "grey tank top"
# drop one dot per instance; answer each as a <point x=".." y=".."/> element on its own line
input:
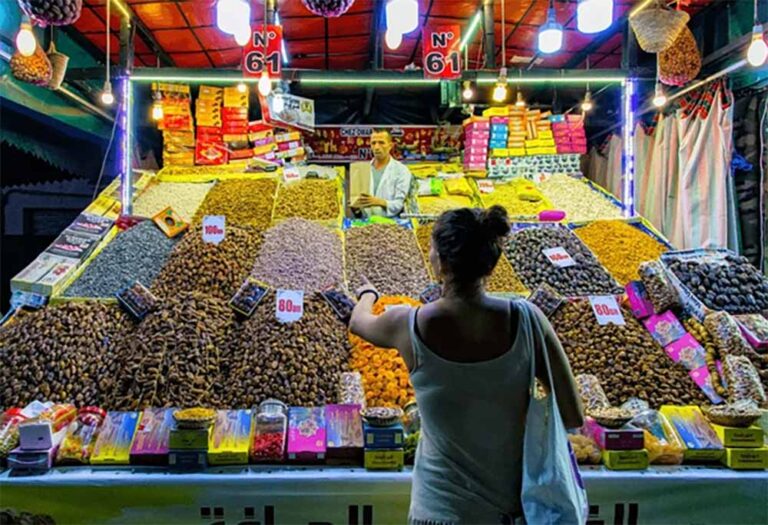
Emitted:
<point x="468" y="466"/>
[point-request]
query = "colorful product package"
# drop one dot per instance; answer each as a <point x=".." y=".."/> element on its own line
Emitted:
<point x="384" y="459"/>
<point x="615" y="439"/>
<point x="688" y="352"/>
<point x="755" y="329"/>
<point x="703" y="378"/>
<point x="664" y="328"/>
<point x="639" y="302"/>
<point x="151" y="441"/>
<point x="81" y="437"/>
<point x="113" y="446"/>
<point x="693" y="429"/>
<point x="230" y="438"/>
<point x="383" y="437"/>
<point x="9" y="431"/>
<point x="661" y="441"/>
<point x="37" y="432"/>
<point x="746" y="458"/>
<point x="344" y="433"/>
<point x="35" y="461"/>
<point x="625" y="459"/>
<point x="306" y="434"/>
<point x="732" y="437"/>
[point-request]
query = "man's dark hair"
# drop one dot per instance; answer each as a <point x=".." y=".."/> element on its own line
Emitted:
<point x="383" y="130"/>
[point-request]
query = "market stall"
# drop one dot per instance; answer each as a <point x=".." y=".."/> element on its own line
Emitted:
<point x="181" y="351"/>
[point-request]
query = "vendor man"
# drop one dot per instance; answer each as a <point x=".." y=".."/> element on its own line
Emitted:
<point x="390" y="180"/>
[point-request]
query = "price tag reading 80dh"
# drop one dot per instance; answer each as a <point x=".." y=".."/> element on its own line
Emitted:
<point x="606" y="310"/>
<point x="289" y="305"/>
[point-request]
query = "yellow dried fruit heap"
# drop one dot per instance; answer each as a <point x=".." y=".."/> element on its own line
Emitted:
<point x="520" y="197"/>
<point x="385" y="376"/>
<point x="620" y="247"/>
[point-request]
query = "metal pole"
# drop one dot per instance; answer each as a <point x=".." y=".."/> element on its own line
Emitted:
<point x="488" y="32"/>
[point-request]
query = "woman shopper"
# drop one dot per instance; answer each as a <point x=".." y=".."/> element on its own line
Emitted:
<point x="469" y="357"/>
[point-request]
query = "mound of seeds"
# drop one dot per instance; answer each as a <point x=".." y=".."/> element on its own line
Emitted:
<point x="136" y="254"/>
<point x="64" y="353"/>
<point x="184" y="197"/>
<point x="315" y="199"/>
<point x="298" y="254"/>
<point x="172" y="358"/>
<point x="577" y="199"/>
<point x="217" y="270"/>
<point x="299" y="363"/>
<point x="244" y="202"/>
<point x="388" y="256"/>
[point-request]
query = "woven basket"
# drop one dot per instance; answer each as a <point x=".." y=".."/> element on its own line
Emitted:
<point x="681" y="63"/>
<point x="58" y="65"/>
<point x="656" y="28"/>
<point x="34" y="69"/>
<point x="730" y="420"/>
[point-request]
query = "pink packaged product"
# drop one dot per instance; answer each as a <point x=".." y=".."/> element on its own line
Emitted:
<point x="306" y="434"/>
<point x="755" y="329"/>
<point x="284" y="146"/>
<point x="639" y="302"/>
<point x="477" y="125"/>
<point x="474" y="167"/>
<point x="499" y="120"/>
<point x="664" y="328"/>
<point x="150" y="442"/>
<point x="476" y="143"/>
<point x="610" y="439"/>
<point x="703" y="379"/>
<point x="688" y="352"/>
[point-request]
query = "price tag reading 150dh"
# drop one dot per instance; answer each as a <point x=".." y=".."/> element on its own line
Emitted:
<point x="606" y="310"/>
<point x="289" y="305"/>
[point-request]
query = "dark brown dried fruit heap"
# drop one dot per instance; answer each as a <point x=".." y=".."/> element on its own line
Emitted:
<point x="626" y="359"/>
<point x="298" y="363"/>
<point x="244" y="202"/>
<point x="63" y="353"/>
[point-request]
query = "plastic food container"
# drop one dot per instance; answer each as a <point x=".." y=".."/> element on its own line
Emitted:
<point x="270" y="431"/>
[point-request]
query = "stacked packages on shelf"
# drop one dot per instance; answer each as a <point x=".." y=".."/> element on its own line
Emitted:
<point x="177" y="125"/>
<point x="569" y="134"/>
<point x="499" y="136"/>
<point x="477" y="133"/>
<point x="539" y="137"/>
<point x="262" y="137"/>
<point x="234" y="120"/>
<point x="209" y="146"/>
<point x="290" y="147"/>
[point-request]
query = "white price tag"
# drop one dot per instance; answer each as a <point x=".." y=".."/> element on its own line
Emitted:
<point x="559" y="257"/>
<point x="289" y="305"/>
<point x="485" y="186"/>
<point x="606" y="310"/>
<point x="214" y="228"/>
<point x="291" y="173"/>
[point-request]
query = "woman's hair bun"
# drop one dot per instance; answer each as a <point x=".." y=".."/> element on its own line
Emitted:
<point x="496" y="221"/>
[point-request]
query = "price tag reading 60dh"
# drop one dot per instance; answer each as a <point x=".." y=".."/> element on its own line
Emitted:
<point x="289" y="305"/>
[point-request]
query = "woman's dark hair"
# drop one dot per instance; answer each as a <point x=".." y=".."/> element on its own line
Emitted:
<point x="468" y="241"/>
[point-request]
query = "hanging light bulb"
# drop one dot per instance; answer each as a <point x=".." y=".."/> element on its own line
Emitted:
<point x="243" y="35"/>
<point x="758" y="49"/>
<point x="520" y="102"/>
<point x="393" y="39"/>
<point x="157" y="111"/>
<point x="265" y="84"/>
<point x="593" y="16"/>
<point x="107" y="98"/>
<point x="230" y="15"/>
<point x="500" y="91"/>
<point x="587" y="105"/>
<point x="25" y="39"/>
<point x="278" y="103"/>
<point x="551" y="34"/>
<point x="659" y="98"/>
<point x="468" y="92"/>
<point x="241" y="87"/>
<point x="402" y="15"/>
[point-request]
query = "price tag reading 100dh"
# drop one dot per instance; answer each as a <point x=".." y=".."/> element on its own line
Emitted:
<point x="289" y="305"/>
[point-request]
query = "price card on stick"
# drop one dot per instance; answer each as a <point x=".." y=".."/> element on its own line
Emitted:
<point x="559" y="257"/>
<point x="214" y="228"/>
<point x="289" y="305"/>
<point x="291" y="173"/>
<point x="606" y="310"/>
<point x="485" y="186"/>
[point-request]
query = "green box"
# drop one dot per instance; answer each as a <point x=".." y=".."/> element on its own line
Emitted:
<point x="750" y="437"/>
<point x="384" y="459"/>
<point x="625" y="459"/>
<point x="189" y="439"/>
<point x="746" y="458"/>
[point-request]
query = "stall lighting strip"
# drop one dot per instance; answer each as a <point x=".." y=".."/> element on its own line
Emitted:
<point x="282" y="41"/>
<point x="126" y="190"/>
<point x="553" y="80"/>
<point x="208" y="80"/>
<point x="628" y="158"/>
<point x="470" y="34"/>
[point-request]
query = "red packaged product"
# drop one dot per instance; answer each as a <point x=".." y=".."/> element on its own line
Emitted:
<point x="78" y="444"/>
<point x="210" y="153"/>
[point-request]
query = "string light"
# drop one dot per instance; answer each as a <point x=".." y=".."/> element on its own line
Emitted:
<point x="659" y="98"/>
<point x="587" y="105"/>
<point x="551" y="33"/>
<point x="594" y="16"/>
<point x="468" y="92"/>
<point x="241" y="87"/>
<point x="265" y="84"/>
<point x="107" y="97"/>
<point x="757" y="53"/>
<point x="520" y="102"/>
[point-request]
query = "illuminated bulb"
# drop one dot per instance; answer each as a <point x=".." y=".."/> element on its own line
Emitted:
<point x="520" y="103"/>
<point x="468" y="92"/>
<point x="500" y="92"/>
<point x="107" y="98"/>
<point x="25" y="40"/>
<point x="278" y="103"/>
<point x="659" y="98"/>
<point x="243" y="35"/>
<point x="402" y="15"/>
<point x="157" y="111"/>
<point x="550" y="35"/>
<point x="241" y="87"/>
<point x="594" y="16"/>
<point x="393" y="39"/>
<point x="230" y="15"/>
<point x="265" y="84"/>
<point x="587" y="105"/>
<point x="758" y="49"/>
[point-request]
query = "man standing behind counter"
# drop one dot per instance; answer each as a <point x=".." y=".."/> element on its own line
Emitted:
<point x="390" y="180"/>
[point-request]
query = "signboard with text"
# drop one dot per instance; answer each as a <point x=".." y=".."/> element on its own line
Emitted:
<point x="440" y="52"/>
<point x="256" y="58"/>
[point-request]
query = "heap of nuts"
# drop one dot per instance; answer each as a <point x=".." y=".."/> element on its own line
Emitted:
<point x="298" y="363"/>
<point x="525" y="250"/>
<point x="63" y="353"/>
<point x="314" y="199"/>
<point x="620" y="247"/>
<point x="35" y="69"/>
<point x="184" y="197"/>
<point x="700" y="333"/>
<point x="625" y="359"/>
<point x="172" y="358"/>
<point x="577" y="199"/>
<point x="387" y="255"/>
<point x="519" y="197"/>
<point x="385" y="376"/>
<point x="244" y="202"/>
<point x="216" y="269"/>
<point x="731" y="284"/>
<point x="298" y="254"/>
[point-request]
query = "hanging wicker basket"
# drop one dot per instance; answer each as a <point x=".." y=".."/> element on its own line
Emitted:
<point x="681" y="63"/>
<point x="328" y="8"/>
<point x="656" y="28"/>
<point x="59" y="63"/>
<point x="35" y="69"/>
<point x="52" y="12"/>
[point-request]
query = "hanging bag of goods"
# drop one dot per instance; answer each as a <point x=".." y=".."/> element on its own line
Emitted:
<point x="35" y="69"/>
<point x="328" y="8"/>
<point x="657" y="27"/>
<point x="59" y="63"/>
<point x="52" y="12"/>
<point x="680" y="63"/>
